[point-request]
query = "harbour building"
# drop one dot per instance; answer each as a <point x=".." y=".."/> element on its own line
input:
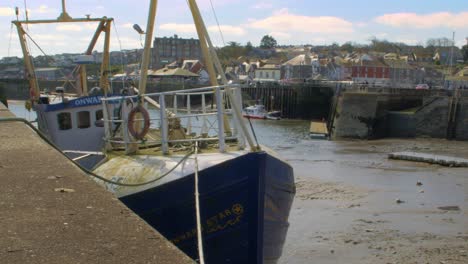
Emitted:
<point x="170" y="49"/>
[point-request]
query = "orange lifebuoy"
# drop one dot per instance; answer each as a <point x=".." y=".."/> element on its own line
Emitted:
<point x="146" y="122"/>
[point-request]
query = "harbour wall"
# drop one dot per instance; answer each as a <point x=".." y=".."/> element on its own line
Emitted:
<point x="400" y="113"/>
<point x="53" y="212"/>
<point x="296" y="101"/>
<point x="309" y="100"/>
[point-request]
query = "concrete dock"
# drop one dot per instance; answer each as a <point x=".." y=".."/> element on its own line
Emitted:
<point x="52" y="212"/>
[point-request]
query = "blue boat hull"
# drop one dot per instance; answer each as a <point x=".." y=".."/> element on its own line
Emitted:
<point x="245" y="203"/>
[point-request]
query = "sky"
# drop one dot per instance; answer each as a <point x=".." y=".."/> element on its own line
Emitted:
<point x="290" y="22"/>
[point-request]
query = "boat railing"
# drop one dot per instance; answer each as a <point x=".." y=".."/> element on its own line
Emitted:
<point x="174" y="119"/>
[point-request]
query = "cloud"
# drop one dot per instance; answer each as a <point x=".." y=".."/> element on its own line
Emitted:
<point x="433" y="20"/>
<point x="43" y="9"/>
<point x="68" y="27"/>
<point x="228" y="30"/>
<point x="6" y="11"/>
<point x="127" y="25"/>
<point x="190" y="28"/>
<point x="280" y="35"/>
<point x="181" y="28"/>
<point x="262" y="5"/>
<point x="283" y="21"/>
<point x="361" y="24"/>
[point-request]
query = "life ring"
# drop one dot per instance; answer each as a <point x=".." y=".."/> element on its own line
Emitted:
<point x="131" y="120"/>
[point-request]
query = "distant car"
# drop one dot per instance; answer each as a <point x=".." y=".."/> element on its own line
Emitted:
<point x="422" y="86"/>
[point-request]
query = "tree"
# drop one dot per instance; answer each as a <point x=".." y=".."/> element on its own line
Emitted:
<point x="348" y="47"/>
<point x="232" y="51"/>
<point x="248" y="47"/>
<point x="439" y="42"/>
<point x="268" y="42"/>
<point x="465" y="53"/>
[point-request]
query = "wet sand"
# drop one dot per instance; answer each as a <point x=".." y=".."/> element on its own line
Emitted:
<point x="353" y="205"/>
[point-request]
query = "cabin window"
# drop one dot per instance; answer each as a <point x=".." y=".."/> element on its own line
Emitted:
<point x="83" y="119"/>
<point x="99" y="119"/>
<point x="64" y="121"/>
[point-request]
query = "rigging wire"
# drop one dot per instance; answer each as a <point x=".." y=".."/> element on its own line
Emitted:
<point x="9" y="43"/>
<point x="47" y="57"/>
<point x="217" y="22"/>
<point x="121" y="53"/>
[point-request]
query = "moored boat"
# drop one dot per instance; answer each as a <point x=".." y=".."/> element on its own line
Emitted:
<point x="198" y="178"/>
<point x="258" y="111"/>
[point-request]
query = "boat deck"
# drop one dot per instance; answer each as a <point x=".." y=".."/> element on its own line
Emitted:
<point x="51" y="212"/>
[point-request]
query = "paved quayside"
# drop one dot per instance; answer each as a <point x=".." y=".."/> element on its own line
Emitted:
<point x="83" y="223"/>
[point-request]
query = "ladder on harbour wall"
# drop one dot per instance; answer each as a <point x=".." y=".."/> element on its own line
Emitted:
<point x="452" y="116"/>
<point x="333" y="110"/>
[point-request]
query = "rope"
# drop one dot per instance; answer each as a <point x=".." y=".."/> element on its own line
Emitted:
<point x="197" y="209"/>
<point x="217" y="22"/>
<point x="9" y="42"/>
<point x="121" y="52"/>
<point x="48" y="57"/>
<point x="44" y="137"/>
<point x="253" y="132"/>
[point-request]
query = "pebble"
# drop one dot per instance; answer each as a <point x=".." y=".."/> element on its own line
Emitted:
<point x="67" y="190"/>
<point x="449" y="208"/>
<point x="398" y="201"/>
<point x="419" y="183"/>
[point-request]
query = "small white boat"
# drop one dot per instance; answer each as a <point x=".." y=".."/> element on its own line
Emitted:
<point x="258" y="112"/>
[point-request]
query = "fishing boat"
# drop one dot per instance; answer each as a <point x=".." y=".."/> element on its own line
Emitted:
<point x="72" y="121"/>
<point x="198" y="178"/>
<point x="258" y="111"/>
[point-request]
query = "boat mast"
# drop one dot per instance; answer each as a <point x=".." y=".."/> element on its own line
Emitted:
<point x="209" y="51"/>
<point x="147" y="49"/>
<point x="31" y="74"/>
<point x="64" y="17"/>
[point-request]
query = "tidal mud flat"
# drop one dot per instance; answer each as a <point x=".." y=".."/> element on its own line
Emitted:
<point x="354" y="205"/>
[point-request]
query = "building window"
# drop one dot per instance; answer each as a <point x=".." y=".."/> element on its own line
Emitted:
<point x="273" y="75"/>
<point x="64" y="121"/>
<point x="267" y="75"/>
<point x="261" y="74"/>
<point x="83" y="119"/>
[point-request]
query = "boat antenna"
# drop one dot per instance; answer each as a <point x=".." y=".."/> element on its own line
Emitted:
<point x="26" y="14"/>
<point x="64" y="16"/>
<point x="17" y="13"/>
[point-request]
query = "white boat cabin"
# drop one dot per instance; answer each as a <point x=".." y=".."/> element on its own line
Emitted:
<point x="72" y="124"/>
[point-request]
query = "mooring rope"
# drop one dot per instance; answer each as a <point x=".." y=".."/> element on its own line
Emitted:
<point x="44" y="137"/>
<point x="197" y="209"/>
